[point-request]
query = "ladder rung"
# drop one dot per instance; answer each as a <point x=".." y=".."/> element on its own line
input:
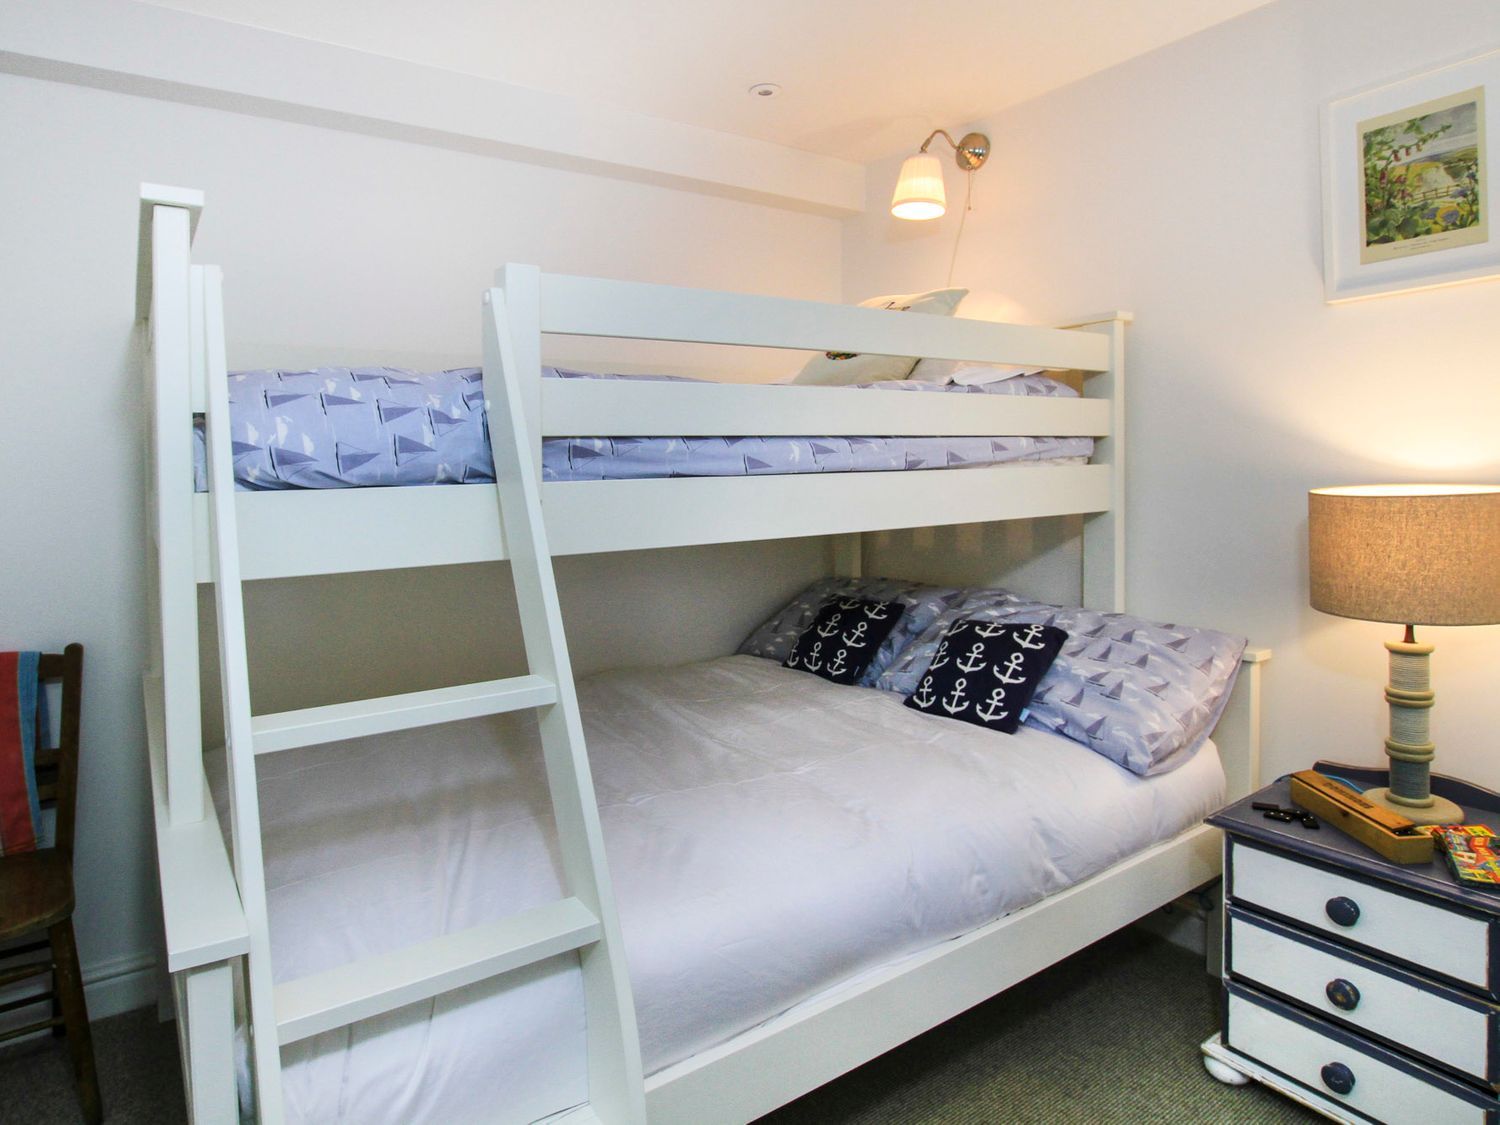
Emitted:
<point x="372" y="985"/>
<point x="311" y="726"/>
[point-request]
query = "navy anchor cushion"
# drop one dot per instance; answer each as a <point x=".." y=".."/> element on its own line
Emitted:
<point x="843" y="638"/>
<point x="921" y="606"/>
<point x="984" y="672"/>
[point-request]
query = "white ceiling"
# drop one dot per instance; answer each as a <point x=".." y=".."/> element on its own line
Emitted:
<point x="860" y="79"/>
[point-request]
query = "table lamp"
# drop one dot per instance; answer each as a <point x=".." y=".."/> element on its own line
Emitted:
<point x="1410" y="554"/>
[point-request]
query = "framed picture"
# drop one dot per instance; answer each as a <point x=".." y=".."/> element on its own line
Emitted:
<point x="1407" y="192"/>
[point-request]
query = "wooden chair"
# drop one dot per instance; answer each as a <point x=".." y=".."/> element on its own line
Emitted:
<point x="36" y="893"/>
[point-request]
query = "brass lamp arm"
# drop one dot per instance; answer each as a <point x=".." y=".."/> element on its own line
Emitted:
<point x="969" y="153"/>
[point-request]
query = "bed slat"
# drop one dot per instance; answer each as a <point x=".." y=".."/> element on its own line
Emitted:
<point x="625" y="408"/>
<point x="335" y="530"/>
<point x="312" y="726"/>
<point x="632" y="310"/>
<point x="382" y="983"/>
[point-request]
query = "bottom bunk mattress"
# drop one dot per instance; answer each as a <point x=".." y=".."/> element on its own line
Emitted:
<point x="770" y="835"/>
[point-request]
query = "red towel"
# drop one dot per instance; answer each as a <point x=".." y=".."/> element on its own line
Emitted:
<point x="19" y="811"/>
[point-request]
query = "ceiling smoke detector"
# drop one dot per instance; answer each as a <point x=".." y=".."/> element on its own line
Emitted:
<point x="765" y="90"/>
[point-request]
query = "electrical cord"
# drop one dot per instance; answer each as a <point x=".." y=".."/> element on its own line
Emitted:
<point x="957" y="238"/>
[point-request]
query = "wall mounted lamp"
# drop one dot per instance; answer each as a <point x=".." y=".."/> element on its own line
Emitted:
<point x="919" y="188"/>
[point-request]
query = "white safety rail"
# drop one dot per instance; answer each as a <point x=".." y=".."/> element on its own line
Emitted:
<point x="334" y="530"/>
<point x="214" y="904"/>
<point x="339" y="530"/>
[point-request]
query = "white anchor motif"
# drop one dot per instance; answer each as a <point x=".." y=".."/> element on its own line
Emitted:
<point x="955" y="701"/>
<point x="1032" y="633"/>
<point x="923" y="695"/>
<point x="989" y="628"/>
<point x="877" y="611"/>
<point x="1011" y="673"/>
<point x="975" y="658"/>
<point x="831" y="626"/>
<point x="837" y="665"/>
<point x="814" y="660"/>
<point x="791" y="661"/>
<point x="940" y="657"/>
<point x="848" y="603"/>
<point x="994" y="712"/>
<point x="855" y="638"/>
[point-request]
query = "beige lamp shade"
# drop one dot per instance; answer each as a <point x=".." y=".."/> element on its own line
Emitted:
<point x="919" y="190"/>
<point x="1411" y="554"/>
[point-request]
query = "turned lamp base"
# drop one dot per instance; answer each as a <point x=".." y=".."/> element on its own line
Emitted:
<point x="1409" y="746"/>
<point x="1440" y="811"/>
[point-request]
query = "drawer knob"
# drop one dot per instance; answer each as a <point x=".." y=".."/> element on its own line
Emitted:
<point x="1338" y="1078"/>
<point x="1342" y="994"/>
<point x="1343" y="911"/>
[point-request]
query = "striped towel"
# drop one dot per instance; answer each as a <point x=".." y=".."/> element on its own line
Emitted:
<point x="20" y="814"/>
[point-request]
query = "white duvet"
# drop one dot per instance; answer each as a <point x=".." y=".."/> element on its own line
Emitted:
<point x="769" y="835"/>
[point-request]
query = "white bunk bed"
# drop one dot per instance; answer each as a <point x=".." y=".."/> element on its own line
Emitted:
<point x="214" y="904"/>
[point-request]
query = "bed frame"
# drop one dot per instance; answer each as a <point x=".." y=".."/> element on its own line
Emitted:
<point x="208" y="900"/>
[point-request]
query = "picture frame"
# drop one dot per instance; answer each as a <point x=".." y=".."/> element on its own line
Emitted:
<point x="1408" y="181"/>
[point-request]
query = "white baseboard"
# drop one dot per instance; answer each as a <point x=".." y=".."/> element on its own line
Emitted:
<point x="112" y="986"/>
<point x="120" y="984"/>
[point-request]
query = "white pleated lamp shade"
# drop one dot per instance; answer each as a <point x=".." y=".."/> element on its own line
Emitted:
<point x="919" y="190"/>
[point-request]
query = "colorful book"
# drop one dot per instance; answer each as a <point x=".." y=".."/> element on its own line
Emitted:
<point x="1472" y="852"/>
<point x="19" y="811"/>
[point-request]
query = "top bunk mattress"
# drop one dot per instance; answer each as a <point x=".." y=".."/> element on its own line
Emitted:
<point x="353" y="427"/>
<point x="769" y="835"/>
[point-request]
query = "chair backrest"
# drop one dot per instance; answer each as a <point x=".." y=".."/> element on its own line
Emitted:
<point x="57" y="766"/>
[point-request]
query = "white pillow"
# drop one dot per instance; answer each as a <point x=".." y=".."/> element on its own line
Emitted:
<point x="939" y="371"/>
<point x="839" y="369"/>
<point x="965" y="372"/>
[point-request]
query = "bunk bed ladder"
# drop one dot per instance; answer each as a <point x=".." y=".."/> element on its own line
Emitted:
<point x="234" y="679"/>
<point x="616" y="1083"/>
<point x="583" y="922"/>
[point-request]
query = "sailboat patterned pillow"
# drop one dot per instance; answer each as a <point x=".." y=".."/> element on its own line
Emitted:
<point x="1144" y="694"/>
<point x="844" y="638"/>
<point x="985" y="673"/>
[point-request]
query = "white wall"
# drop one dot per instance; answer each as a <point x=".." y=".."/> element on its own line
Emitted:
<point x="1184" y="185"/>
<point x="143" y="48"/>
<point x="332" y="243"/>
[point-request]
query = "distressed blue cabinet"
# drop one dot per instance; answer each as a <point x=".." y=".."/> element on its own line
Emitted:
<point x="1363" y="989"/>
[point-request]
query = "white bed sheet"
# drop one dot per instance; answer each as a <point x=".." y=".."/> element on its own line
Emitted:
<point x="770" y="834"/>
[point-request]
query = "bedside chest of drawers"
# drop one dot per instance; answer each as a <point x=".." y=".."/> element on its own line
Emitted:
<point x="1366" y="990"/>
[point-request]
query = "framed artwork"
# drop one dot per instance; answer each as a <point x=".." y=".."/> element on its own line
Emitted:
<point x="1408" y="201"/>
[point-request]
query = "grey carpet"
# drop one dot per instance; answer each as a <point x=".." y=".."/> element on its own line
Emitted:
<point x="1110" y="1035"/>
<point x="139" y="1081"/>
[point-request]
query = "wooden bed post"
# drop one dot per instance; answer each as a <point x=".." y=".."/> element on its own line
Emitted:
<point x="1238" y="732"/>
<point x="1104" y="532"/>
<point x="848" y="555"/>
<point x="203" y="922"/>
<point x="523" y="309"/>
<point x="164" y="296"/>
<point x="205" y="1037"/>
